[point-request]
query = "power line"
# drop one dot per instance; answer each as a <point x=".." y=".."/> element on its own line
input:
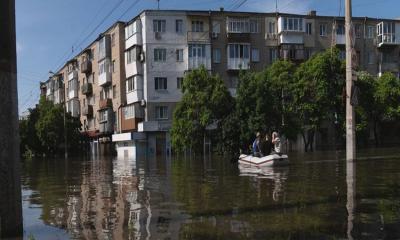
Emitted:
<point x="97" y="26"/>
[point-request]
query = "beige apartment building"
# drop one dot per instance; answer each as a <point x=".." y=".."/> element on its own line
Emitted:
<point x="125" y="85"/>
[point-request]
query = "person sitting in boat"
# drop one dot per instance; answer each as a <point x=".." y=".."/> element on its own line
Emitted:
<point x="265" y="145"/>
<point x="276" y="141"/>
<point x="256" y="146"/>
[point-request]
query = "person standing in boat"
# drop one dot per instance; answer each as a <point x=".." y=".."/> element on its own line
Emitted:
<point x="256" y="146"/>
<point x="276" y="141"/>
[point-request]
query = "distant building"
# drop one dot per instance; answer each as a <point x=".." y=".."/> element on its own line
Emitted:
<point x="125" y="85"/>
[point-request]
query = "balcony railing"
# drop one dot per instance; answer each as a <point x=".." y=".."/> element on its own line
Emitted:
<point x="86" y="67"/>
<point x="87" y="110"/>
<point x="238" y="63"/>
<point x="198" y="36"/>
<point x="154" y="126"/>
<point x="105" y="103"/>
<point x="340" y="39"/>
<point x="87" y="88"/>
<point x="238" y="37"/>
<point x="72" y="75"/>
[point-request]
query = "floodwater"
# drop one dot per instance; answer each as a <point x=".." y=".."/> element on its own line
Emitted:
<point x="211" y="198"/>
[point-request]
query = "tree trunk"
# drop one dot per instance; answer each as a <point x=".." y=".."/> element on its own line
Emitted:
<point x="311" y="133"/>
<point x="376" y="133"/>
<point x="10" y="189"/>
<point x="305" y="141"/>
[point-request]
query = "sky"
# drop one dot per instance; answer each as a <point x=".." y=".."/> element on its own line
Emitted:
<point x="49" y="32"/>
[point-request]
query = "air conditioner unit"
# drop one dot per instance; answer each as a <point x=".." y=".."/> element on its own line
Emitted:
<point x="157" y="35"/>
<point x="214" y="35"/>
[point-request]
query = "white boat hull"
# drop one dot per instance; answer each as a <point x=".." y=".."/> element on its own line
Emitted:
<point x="266" y="161"/>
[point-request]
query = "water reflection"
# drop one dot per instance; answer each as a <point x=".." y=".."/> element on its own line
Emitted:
<point x="211" y="198"/>
<point x="278" y="175"/>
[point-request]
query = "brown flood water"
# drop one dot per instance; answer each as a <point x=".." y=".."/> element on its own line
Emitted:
<point x="178" y="198"/>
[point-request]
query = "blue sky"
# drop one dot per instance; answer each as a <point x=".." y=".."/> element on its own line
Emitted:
<point x="47" y="30"/>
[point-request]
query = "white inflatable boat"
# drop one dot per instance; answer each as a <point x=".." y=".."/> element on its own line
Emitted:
<point x="267" y="161"/>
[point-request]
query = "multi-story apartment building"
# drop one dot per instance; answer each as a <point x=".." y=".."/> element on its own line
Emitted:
<point x="130" y="77"/>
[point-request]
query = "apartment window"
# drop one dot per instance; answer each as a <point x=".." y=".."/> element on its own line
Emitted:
<point x="104" y="67"/>
<point x="161" y="112"/>
<point x="129" y="111"/>
<point x="370" y="58"/>
<point x="159" y="25"/>
<point x="179" y="82"/>
<point x="271" y="27"/>
<point x="342" y="55"/>
<point x="197" y="50"/>
<point x="105" y="93"/>
<point x="217" y="55"/>
<point x="254" y="26"/>
<point x="358" y="31"/>
<point x="255" y="55"/>
<point x="238" y="25"/>
<point x="322" y="29"/>
<point x="112" y="39"/>
<point x="197" y="26"/>
<point x="160" y="54"/>
<point x="160" y="83"/>
<point x="130" y="30"/>
<point x="216" y="27"/>
<point x="293" y="24"/>
<point x="307" y="53"/>
<point x="370" y="32"/>
<point x="239" y="50"/>
<point x="179" y="55"/>
<point x="309" y="28"/>
<point x="130" y="55"/>
<point x="179" y="26"/>
<point x="130" y="84"/>
<point x="340" y="30"/>
<point x="273" y="54"/>
<point x="103" y="116"/>
<point x="114" y="90"/>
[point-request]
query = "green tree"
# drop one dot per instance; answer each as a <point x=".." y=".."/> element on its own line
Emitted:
<point x="260" y="102"/>
<point x="316" y="93"/>
<point x="205" y="102"/>
<point x="43" y="131"/>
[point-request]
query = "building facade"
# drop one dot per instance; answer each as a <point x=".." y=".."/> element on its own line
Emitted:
<point x="127" y="83"/>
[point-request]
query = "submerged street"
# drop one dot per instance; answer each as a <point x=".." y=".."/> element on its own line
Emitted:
<point x="211" y="198"/>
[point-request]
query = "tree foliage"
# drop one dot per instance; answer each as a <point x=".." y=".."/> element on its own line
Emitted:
<point x="206" y="102"/>
<point x="43" y="132"/>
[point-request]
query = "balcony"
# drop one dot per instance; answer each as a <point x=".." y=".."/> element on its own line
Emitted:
<point x="105" y="103"/>
<point x="72" y="75"/>
<point x="87" y="111"/>
<point x="135" y="39"/>
<point x="340" y="39"/>
<point x="196" y="62"/>
<point x="198" y="36"/>
<point x="106" y="127"/>
<point x="73" y="89"/>
<point x="73" y="107"/>
<point x="389" y="67"/>
<point x="134" y="96"/>
<point x="238" y="63"/>
<point x="105" y="72"/>
<point x="387" y="33"/>
<point x="86" y="67"/>
<point x="238" y="37"/>
<point x="104" y="46"/>
<point x="154" y="126"/>
<point x="87" y="88"/>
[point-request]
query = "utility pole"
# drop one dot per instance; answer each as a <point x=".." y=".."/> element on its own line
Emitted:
<point x="350" y="116"/>
<point x="10" y="185"/>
